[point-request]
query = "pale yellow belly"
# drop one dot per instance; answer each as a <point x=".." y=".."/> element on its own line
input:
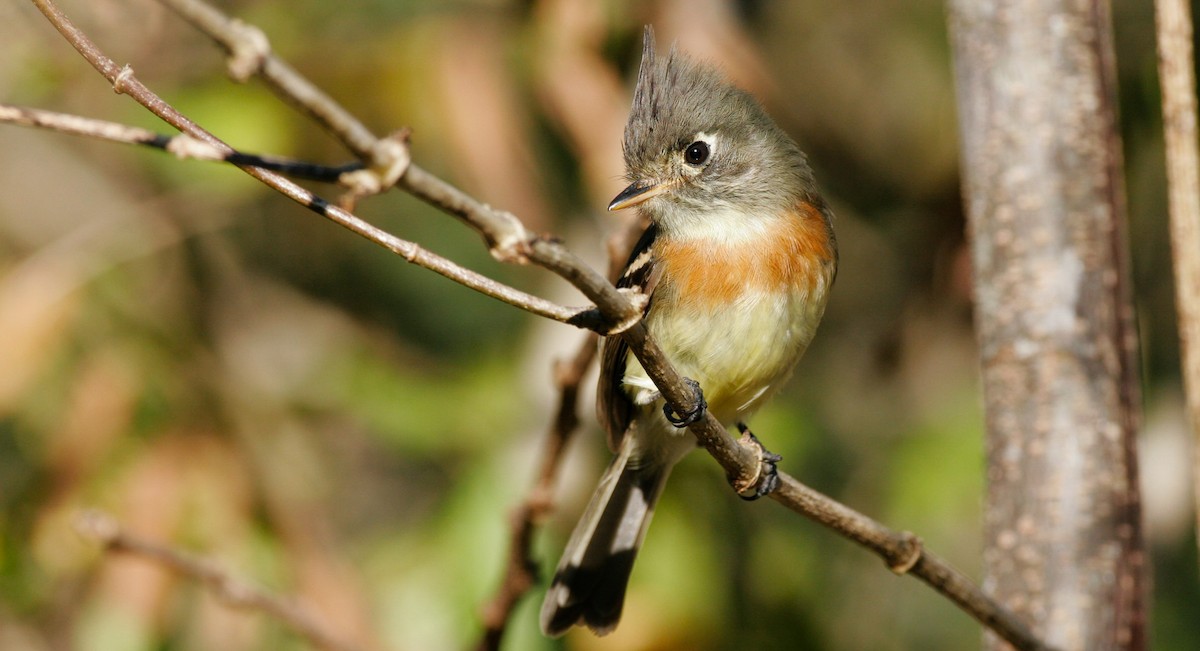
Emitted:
<point x="740" y="354"/>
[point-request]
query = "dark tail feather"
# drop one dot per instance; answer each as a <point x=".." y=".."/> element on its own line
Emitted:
<point x="589" y="585"/>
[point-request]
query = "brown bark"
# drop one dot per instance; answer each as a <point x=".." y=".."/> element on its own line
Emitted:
<point x="1046" y="207"/>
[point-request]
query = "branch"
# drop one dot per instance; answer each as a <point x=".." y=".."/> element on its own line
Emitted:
<point x="521" y="573"/>
<point x="249" y="52"/>
<point x="1177" y="78"/>
<point x="124" y="81"/>
<point x="904" y="554"/>
<point x="105" y="530"/>
<point x="510" y="242"/>
<point x="182" y="146"/>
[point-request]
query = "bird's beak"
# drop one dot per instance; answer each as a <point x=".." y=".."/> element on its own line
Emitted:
<point x="637" y="192"/>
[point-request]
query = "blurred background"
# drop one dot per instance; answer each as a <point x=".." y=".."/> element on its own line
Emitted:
<point x="230" y="374"/>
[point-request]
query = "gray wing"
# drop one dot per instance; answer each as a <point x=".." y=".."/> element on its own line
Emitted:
<point x="613" y="406"/>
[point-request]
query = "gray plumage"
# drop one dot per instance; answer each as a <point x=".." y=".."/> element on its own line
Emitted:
<point x="676" y="99"/>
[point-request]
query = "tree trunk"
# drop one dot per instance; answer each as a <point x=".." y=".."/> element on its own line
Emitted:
<point x="1045" y="200"/>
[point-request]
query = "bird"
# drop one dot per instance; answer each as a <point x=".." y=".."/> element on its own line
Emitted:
<point x="737" y="263"/>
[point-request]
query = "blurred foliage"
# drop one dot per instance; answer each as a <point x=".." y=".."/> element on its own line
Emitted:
<point x="227" y="373"/>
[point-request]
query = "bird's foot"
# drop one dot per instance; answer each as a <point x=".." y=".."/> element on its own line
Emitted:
<point x="766" y="479"/>
<point x="693" y="413"/>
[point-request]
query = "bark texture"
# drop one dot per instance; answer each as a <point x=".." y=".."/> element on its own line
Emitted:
<point x="1046" y="206"/>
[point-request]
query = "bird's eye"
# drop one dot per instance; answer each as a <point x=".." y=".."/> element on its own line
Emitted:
<point x="696" y="153"/>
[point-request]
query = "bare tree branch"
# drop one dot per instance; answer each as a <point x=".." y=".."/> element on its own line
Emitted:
<point x="237" y="593"/>
<point x="521" y="572"/>
<point x="181" y="145"/>
<point x="1176" y="74"/>
<point x="250" y="53"/>
<point x="509" y="241"/>
<point x="81" y="126"/>
<point x="512" y="237"/>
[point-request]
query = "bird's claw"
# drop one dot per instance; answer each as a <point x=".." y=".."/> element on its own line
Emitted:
<point x="692" y="414"/>
<point x="766" y="479"/>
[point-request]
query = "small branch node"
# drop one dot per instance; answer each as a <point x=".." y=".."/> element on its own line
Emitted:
<point x="511" y="243"/>
<point x="185" y="146"/>
<point x="911" y="550"/>
<point x="122" y="78"/>
<point x="390" y="159"/>
<point x="249" y="48"/>
<point x="358" y="184"/>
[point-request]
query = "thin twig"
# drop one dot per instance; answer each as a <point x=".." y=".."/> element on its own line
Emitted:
<point x="1178" y="80"/>
<point x="81" y="126"/>
<point x="387" y="159"/>
<point x="520" y="574"/>
<point x="904" y="553"/>
<point x="509" y="241"/>
<point x="181" y="145"/>
<point x="237" y="593"/>
<point x="249" y="50"/>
